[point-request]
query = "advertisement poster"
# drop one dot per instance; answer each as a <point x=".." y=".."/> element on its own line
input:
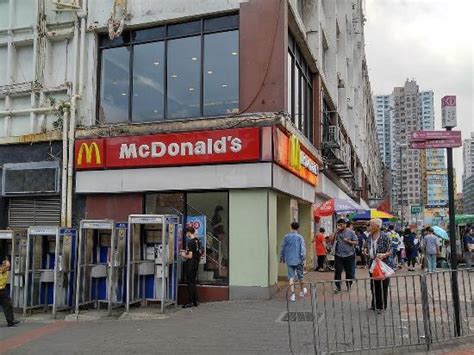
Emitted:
<point x="437" y="184"/>
<point x="199" y="224"/>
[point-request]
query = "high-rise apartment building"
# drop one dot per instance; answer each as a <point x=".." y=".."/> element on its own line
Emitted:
<point x="406" y="165"/>
<point x="468" y="156"/>
<point x="383" y="115"/>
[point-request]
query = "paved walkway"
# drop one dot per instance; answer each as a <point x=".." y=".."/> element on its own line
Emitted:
<point x="248" y="327"/>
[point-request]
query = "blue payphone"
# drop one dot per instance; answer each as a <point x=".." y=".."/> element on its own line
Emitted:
<point x="101" y="264"/>
<point x="49" y="269"/>
<point x="152" y="259"/>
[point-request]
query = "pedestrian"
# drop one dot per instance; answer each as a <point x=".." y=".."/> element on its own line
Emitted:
<point x="192" y="256"/>
<point x="431" y="248"/>
<point x="5" y="300"/>
<point x="468" y="243"/>
<point x="396" y="241"/>
<point x="360" y="247"/>
<point x="293" y="253"/>
<point x="345" y="242"/>
<point x="319" y="249"/>
<point x="329" y="254"/>
<point x="378" y="247"/>
<point x="411" y="249"/>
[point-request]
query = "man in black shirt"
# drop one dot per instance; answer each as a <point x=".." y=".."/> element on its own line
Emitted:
<point x="192" y="255"/>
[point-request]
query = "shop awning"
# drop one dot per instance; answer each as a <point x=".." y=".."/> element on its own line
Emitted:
<point x="337" y="205"/>
<point x="372" y="213"/>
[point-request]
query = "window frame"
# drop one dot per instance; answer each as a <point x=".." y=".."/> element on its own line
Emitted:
<point x="127" y="40"/>
<point x="304" y="122"/>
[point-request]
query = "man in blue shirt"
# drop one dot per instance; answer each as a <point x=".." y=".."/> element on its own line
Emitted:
<point x="293" y="253"/>
<point x="345" y="241"/>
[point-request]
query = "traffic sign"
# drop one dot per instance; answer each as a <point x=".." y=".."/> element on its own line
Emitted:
<point x="448" y="111"/>
<point x="416" y="209"/>
<point x="439" y="143"/>
<point x="437" y="135"/>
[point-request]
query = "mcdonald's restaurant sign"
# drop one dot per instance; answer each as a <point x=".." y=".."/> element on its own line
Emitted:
<point x="293" y="157"/>
<point x="170" y="149"/>
<point x="89" y="154"/>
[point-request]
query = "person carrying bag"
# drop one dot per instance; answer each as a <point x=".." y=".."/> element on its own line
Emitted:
<point x="379" y="250"/>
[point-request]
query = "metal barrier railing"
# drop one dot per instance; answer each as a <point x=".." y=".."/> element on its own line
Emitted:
<point x="416" y="310"/>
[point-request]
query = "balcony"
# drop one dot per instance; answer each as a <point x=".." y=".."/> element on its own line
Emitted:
<point x="336" y="152"/>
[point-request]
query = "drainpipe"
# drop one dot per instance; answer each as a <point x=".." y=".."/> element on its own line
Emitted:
<point x="77" y="91"/>
<point x="72" y="124"/>
<point x="64" y="166"/>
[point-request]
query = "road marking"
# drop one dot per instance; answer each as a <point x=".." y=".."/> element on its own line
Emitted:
<point x="22" y="339"/>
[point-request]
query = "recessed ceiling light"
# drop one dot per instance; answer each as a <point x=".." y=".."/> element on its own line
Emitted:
<point x="124" y="94"/>
<point x="209" y="72"/>
<point x="174" y="76"/>
<point x="114" y="82"/>
<point x="191" y="89"/>
<point x="156" y="63"/>
<point x="224" y="85"/>
<point x="135" y="95"/>
<point x="155" y="111"/>
<point x="194" y="58"/>
<point x="234" y="53"/>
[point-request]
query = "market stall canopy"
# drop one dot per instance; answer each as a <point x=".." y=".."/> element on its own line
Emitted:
<point x="465" y="218"/>
<point x="337" y="205"/>
<point x="372" y="213"/>
<point x="440" y="232"/>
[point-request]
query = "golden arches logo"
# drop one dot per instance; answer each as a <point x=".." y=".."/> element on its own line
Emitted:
<point x="294" y="156"/>
<point x="88" y="149"/>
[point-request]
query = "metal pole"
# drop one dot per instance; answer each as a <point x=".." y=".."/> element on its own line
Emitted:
<point x="452" y="238"/>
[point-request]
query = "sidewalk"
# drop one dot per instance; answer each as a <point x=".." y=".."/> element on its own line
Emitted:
<point x="247" y="327"/>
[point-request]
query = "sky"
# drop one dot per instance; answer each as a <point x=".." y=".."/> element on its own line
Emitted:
<point x="431" y="41"/>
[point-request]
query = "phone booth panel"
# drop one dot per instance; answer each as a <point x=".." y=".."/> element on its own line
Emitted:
<point x="49" y="269"/>
<point x="152" y="259"/>
<point x="101" y="264"/>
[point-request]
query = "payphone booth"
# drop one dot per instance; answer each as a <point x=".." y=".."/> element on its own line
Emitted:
<point x="101" y="264"/>
<point x="49" y="269"/>
<point x="6" y="251"/>
<point x="152" y="259"/>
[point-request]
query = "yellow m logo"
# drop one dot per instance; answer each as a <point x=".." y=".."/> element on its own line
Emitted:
<point x="88" y="149"/>
<point x="294" y="154"/>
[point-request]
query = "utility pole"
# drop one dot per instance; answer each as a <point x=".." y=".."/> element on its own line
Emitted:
<point x="452" y="239"/>
<point x="449" y="120"/>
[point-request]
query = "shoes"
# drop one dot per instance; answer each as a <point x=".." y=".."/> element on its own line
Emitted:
<point x="304" y="292"/>
<point x="13" y="323"/>
<point x="292" y="298"/>
<point x="188" y="305"/>
<point x="337" y="290"/>
<point x="195" y="304"/>
<point x="379" y="311"/>
<point x="371" y="308"/>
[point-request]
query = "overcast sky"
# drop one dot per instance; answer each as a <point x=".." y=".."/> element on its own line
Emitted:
<point x="431" y="41"/>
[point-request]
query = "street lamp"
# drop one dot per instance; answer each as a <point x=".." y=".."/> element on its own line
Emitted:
<point x="402" y="213"/>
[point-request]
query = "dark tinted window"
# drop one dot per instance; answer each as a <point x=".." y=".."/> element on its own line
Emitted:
<point x="221" y="23"/>
<point x="150" y="34"/>
<point x="148" y="82"/>
<point x="184" y="77"/>
<point x="221" y="74"/>
<point x="114" y="93"/>
<point x="184" y="29"/>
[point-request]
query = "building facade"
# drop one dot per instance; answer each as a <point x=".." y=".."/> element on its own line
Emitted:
<point x="468" y="156"/>
<point x="468" y="195"/>
<point x="247" y="113"/>
<point x="383" y="107"/>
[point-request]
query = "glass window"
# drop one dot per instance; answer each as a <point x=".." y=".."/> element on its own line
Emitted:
<point x="221" y="23"/>
<point x="114" y="90"/>
<point x="184" y="29"/>
<point x="170" y="72"/>
<point x="290" y="84"/>
<point x="296" y="118"/>
<point x="183" y="77"/>
<point x="214" y="206"/>
<point x="148" y="82"/>
<point x="221" y="74"/>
